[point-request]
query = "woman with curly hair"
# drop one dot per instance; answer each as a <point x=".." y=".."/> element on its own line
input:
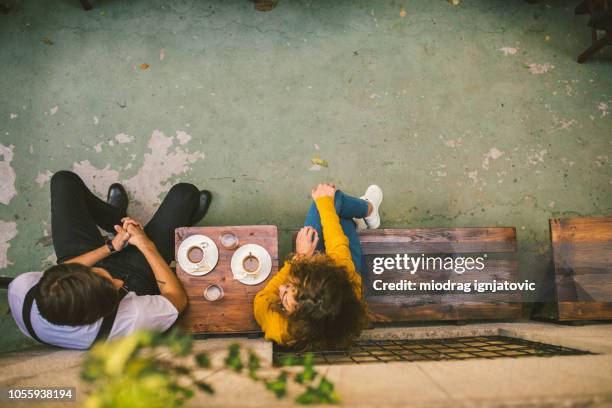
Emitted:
<point x="314" y="301"/>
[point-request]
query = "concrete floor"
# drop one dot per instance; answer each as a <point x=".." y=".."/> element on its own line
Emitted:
<point x="570" y="381"/>
<point x="469" y="115"/>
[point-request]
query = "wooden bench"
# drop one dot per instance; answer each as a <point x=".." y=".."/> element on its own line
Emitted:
<point x="499" y="245"/>
<point x="581" y="272"/>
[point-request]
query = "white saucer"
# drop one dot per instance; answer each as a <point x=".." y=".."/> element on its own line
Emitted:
<point x="208" y="263"/>
<point x="265" y="264"/>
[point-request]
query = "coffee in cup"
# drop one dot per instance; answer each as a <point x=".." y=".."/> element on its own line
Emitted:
<point x="251" y="264"/>
<point x="195" y="254"/>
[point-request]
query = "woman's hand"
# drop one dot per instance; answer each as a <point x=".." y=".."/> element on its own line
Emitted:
<point x="306" y="241"/>
<point x="323" y="190"/>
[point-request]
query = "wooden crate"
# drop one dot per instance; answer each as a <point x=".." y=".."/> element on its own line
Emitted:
<point x="498" y="243"/>
<point x="582" y="270"/>
<point x="234" y="312"/>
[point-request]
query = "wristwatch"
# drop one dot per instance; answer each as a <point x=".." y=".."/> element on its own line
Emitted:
<point x="109" y="244"/>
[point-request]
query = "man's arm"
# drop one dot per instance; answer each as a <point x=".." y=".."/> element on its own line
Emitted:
<point x="169" y="285"/>
<point x="96" y="255"/>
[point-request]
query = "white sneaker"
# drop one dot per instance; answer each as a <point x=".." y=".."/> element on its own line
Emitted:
<point x="374" y="196"/>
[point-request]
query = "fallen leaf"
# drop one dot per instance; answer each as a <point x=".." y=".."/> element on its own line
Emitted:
<point x="319" y="161"/>
<point x="144" y="66"/>
<point x="454" y="2"/>
<point x="47" y="41"/>
<point x="402" y="12"/>
<point x="547" y="38"/>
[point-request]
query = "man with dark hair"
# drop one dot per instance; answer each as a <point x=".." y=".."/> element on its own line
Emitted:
<point x="105" y="288"/>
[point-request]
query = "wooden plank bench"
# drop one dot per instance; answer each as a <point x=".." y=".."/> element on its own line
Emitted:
<point x="581" y="273"/>
<point x="499" y="245"/>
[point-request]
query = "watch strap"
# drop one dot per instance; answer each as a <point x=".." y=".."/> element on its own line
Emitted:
<point x="109" y="244"/>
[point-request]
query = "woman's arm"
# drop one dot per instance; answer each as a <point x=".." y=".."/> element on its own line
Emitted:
<point x="336" y="243"/>
<point x="169" y="285"/>
<point x="271" y="322"/>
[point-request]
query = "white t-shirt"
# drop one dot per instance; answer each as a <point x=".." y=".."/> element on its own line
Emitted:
<point x="135" y="312"/>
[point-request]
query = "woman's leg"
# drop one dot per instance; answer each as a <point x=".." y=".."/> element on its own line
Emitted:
<point x="347" y="208"/>
<point x="75" y="214"/>
<point x="350" y="207"/>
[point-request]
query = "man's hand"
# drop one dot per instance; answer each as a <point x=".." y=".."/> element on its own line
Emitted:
<point x="138" y="238"/>
<point x="306" y="241"/>
<point x="121" y="238"/>
<point x="323" y="190"/>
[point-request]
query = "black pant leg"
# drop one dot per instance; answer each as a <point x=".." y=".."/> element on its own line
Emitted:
<point x="75" y="214"/>
<point x="175" y="211"/>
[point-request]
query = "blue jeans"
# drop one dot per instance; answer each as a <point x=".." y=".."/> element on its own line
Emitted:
<point x="347" y="208"/>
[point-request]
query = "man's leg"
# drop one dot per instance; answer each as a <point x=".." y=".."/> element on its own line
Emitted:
<point x="75" y="214"/>
<point x="175" y="211"/>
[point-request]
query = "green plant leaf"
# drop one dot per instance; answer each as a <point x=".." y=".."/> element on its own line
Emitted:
<point x="233" y="360"/>
<point x="278" y="386"/>
<point x="254" y="364"/>
<point x="202" y="360"/>
<point x="205" y="387"/>
<point x="309" y="373"/>
<point x="288" y="361"/>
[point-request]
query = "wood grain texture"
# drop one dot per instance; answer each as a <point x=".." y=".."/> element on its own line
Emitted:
<point x="438" y="240"/>
<point x="234" y="312"/>
<point x="391" y="306"/>
<point x="582" y="259"/>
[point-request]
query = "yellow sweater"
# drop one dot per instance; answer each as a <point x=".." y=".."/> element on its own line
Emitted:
<point x="273" y="323"/>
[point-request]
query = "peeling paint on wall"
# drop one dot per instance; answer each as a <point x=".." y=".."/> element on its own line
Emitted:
<point x="43" y="178"/>
<point x="122" y="138"/>
<point x="8" y="231"/>
<point x="49" y="261"/>
<point x="163" y="162"/>
<point x="508" y="50"/>
<point x="182" y="137"/>
<point x="492" y="154"/>
<point x="603" y="108"/>
<point x="7" y="174"/>
<point x="536" y="157"/>
<point x="539" y="69"/>
<point x="96" y="179"/>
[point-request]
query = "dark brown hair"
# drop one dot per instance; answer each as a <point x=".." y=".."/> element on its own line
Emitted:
<point x="74" y="295"/>
<point x="329" y="314"/>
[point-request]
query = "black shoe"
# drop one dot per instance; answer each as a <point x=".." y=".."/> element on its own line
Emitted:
<point x="118" y="197"/>
<point x="200" y="212"/>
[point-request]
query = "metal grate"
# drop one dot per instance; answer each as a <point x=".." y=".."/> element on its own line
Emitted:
<point x="459" y="348"/>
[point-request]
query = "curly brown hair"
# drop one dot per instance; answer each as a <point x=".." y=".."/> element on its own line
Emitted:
<point x="329" y="314"/>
